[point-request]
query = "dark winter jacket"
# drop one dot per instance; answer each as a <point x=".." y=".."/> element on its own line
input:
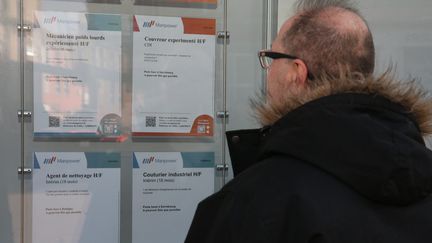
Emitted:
<point x="344" y="168"/>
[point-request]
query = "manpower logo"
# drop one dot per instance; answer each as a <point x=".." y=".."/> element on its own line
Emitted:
<point x="148" y="160"/>
<point x="152" y="159"/>
<point x="54" y="19"/>
<point x="149" y="24"/>
<point x="50" y="20"/>
<point x="153" y="23"/>
<point x="50" y="160"/>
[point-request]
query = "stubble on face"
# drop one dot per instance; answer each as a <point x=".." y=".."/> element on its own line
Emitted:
<point x="278" y="83"/>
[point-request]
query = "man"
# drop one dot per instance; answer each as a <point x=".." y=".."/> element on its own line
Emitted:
<point x="341" y="158"/>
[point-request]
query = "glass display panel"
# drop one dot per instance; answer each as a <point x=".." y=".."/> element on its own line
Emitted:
<point x="75" y="196"/>
<point x="179" y="3"/>
<point x="11" y="193"/>
<point x="166" y="187"/>
<point x="84" y="64"/>
<point x="173" y="76"/>
<point x="92" y="1"/>
<point x="76" y="74"/>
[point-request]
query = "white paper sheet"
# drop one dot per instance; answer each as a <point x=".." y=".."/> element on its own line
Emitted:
<point x="76" y="197"/>
<point x="166" y="190"/>
<point x="173" y="76"/>
<point x="77" y="70"/>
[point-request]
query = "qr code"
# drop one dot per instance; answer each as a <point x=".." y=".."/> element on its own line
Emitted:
<point x="150" y="121"/>
<point x="54" y="121"/>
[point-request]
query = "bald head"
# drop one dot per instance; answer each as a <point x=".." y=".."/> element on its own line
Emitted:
<point x="343" y="20"/>
<point x="328" y="35"/>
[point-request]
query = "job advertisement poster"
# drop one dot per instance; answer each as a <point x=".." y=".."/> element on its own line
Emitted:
<point x="76" y="68"/>
<point x="89" y="1"/>
<point x="76" y="197"/>
<point x="166" y="190"/>
<point x="173" y="76"/>
<point x="211" y="4"/>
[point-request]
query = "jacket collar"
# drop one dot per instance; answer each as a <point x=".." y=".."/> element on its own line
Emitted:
<point x="408" y="94"/>
<point x="366" y="141"/>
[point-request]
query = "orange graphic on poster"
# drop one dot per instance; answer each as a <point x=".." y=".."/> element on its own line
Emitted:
<point x="199" y="26"/>
<point x="196" y="1"/>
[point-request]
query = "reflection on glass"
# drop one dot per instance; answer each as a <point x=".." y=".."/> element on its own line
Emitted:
<point x="210" y="4"/>
<point x="76" y="197"/>
<point x="88" y="1"/>
<point x="173" y="76"/>
<point x="77" y="65"/>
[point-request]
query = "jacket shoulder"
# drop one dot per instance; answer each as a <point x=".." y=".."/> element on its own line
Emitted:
<point x="283" y="199"/>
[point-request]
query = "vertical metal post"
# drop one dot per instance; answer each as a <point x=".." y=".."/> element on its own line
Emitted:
<point x="265" y="41"/>
<point x="270" y="16"/>
<point x="270" y="22"/>
<point x="224" y="88"/>
<point x="22" y="51"/>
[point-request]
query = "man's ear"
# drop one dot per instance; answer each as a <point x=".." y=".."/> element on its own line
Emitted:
<point x="302" y="72"/>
